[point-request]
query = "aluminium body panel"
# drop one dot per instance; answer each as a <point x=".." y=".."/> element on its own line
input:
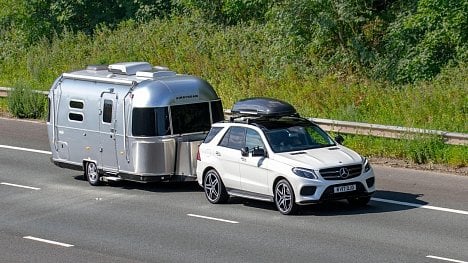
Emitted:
<point x="80" y="129"/>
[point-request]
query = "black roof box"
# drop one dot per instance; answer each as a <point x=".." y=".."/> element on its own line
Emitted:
<point x="264" y="107"/>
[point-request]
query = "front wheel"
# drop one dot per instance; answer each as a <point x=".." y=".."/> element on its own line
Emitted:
<point x="214" y="188"/>
<point x="284" y="198"/>
<point x="92" y="174"/>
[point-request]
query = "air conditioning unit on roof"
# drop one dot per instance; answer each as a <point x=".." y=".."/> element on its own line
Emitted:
<point x="129" y="68"/>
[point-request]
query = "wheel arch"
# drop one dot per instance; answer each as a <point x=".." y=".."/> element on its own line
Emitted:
<point x="206" y="171"/>
<point x="277" y="179"/>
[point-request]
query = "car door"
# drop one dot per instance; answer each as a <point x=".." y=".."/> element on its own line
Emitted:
<point x="253" y="169"/>
<point x="229" y="156"/>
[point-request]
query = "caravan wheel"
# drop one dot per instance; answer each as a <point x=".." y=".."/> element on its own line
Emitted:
<point x="92" y="174"/>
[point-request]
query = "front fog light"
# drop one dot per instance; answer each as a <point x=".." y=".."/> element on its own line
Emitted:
<point x="305" y="173"/>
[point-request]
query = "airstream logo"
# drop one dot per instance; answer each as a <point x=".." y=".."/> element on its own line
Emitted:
<point x="344" y="173"/>
<point x="187" y="97"/>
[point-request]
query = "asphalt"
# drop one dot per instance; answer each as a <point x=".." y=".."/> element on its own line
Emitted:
<point x="169" y="222"/>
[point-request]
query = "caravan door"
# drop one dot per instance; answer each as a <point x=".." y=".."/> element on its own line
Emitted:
<point x="107" y="111"/>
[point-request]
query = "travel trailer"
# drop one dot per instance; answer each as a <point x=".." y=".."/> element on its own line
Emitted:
<point x="130" y="121"/>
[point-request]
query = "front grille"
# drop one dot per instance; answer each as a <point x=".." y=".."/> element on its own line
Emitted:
<point x="334" y="172"/>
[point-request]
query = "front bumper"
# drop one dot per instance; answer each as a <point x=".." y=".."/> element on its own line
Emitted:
<point x="315" y="191"/>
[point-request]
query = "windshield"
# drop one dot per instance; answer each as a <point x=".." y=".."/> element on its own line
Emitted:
<point x="297" y="138"/>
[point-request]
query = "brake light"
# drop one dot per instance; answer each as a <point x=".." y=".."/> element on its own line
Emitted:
<point x="198" y="154"/>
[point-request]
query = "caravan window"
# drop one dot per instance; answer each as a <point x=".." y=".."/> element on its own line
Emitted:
<point x="190" y="118"/>
<point x="107" y="113"/>
<point x="74" y="116"/>
<point x="76" y="104"/>
<point x="150" y="122"/>
<point x="217" y="111"/>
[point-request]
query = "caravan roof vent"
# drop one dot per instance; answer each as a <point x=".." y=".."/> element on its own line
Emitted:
<point x="263" y="107"/>
<point x="129" y="68"/>
<point x="96" y="67"/>
<point x="160" y="68"/>
<point x="155" y="74"/>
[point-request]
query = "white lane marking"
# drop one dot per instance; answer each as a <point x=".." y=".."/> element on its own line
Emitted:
<point x="462" y="212"/>
<point x="24" y="149"/>
<point x="48" y="241"/>
<point x="21" y="186"/>
<point x="446" y="259"/>
<point x="213" y="218"/>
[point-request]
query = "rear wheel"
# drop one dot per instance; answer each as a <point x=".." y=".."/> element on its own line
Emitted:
<point x="215" y="191"/>
<point x="359" y="201"/>
<point x="284" y="198"/>
<point x="92" y="174"/>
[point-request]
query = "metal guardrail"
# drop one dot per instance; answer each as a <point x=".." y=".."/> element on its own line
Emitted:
<point x="386" y="131"/>
<point x="361" y="128"/>
<point x="4" y="91"/>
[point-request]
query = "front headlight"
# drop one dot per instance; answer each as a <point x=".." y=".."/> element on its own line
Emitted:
<point x="366" y="164"/>
<point x="303" y="172"/>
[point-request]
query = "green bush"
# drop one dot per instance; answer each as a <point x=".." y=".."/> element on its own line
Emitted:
<point x="24" y="103"/>
<point x="421" y="150"/>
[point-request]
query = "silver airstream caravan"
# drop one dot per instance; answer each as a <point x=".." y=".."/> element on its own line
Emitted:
<point x="130" y="121"/>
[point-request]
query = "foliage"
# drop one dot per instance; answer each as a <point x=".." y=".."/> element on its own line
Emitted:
<point x="230" y="12"/>
<point x="401" y="41"/>
<point x="331" y="32"/>
<point x="348" y="60"/>
<point x="44" y="18"/>
<point x="24" y="103"/>
<point x="420" y="43"/>
<point x="428" y="150"/>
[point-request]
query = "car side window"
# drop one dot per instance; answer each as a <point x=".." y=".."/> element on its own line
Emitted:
<point x="253" y="140"/>
<point x="234" y="138"/>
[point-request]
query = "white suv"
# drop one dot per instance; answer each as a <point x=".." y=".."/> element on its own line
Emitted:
<point x="267" y="152"/>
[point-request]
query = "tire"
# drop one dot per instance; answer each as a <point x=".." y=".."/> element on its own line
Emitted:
<point x="359" y="201"/>
<point x="214" y="188"/>
<point x="284" y="198"/>
<point x="92" y="174"/>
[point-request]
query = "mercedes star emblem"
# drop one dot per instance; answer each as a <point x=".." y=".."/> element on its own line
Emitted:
<point x="344" y="172"/>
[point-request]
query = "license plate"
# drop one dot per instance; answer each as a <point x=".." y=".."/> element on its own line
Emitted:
<point x="344" y="188"/>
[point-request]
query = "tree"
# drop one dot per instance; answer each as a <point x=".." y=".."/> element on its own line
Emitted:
<point x="420" y="42"/>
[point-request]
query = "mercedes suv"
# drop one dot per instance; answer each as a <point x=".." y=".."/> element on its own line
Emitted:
<point x="265" y="151"/>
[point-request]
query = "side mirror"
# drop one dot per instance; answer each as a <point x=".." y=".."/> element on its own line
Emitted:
<point x="245" y="151"/>
<point x="339" y="139"/>
<point x="258" y="152"/>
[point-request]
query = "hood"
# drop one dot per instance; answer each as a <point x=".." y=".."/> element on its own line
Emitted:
<point x="320" y="158"/>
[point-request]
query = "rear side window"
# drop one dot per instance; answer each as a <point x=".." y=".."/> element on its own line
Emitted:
<point x="234" y="138"/>
<point x="213" y="132"/>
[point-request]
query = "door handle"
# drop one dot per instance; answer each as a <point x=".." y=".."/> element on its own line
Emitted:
<point x="218" y="153"/>
<point x="243" y="159"/>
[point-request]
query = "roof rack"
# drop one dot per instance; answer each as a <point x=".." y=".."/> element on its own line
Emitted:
<point x="262" y="107"/>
